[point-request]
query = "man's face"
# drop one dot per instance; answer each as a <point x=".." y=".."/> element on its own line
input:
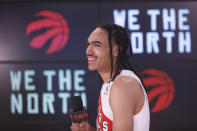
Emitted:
<point x="98" y="52"/>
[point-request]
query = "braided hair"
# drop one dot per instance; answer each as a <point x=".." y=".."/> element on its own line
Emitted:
<point x="119" y="36"/>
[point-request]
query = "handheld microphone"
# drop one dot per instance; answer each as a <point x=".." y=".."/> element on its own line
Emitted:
<point x="78" y="113"/>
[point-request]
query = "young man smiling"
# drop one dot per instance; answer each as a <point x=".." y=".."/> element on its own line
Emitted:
<point x="123" y="103"/>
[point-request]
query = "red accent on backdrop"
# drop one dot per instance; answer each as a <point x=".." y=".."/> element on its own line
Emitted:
<point x="162" y="88"/>
<point x="57" y="30"/>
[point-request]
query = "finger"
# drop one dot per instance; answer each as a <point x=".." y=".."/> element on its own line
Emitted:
<point x="81" y="125"/>
<point x="75" y="124"/>
<point x="82" y="129"/>
<point x="75" y="127"/>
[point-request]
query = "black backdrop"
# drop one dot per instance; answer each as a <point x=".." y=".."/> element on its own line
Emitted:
<point x="36" y="87"/>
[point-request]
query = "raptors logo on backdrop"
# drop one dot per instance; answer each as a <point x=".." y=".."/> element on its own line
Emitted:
<point x="54" y="28"/>
<point x="160" y="89"/>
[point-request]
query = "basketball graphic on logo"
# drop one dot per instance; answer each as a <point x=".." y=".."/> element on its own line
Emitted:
<point x="160" y="89"/>
<point x="55" y="29"/>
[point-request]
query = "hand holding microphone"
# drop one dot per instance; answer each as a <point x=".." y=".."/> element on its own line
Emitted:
<point x="78" y="113"/>
<point x="79" y="116"/>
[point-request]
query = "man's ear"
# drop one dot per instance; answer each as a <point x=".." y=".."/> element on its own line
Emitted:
<point x="115" y="50"/>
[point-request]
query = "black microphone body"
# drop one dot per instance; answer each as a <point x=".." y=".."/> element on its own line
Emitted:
<point x="78" y="113"/>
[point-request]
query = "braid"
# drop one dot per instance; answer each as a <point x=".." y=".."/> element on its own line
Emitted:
<point x="120" y="37"/>
<point x="110" y="47"/>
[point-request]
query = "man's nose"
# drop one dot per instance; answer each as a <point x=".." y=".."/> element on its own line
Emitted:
<point x="89" y="49"/>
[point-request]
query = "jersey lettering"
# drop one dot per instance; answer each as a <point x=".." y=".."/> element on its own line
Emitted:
<point x="105" y="126"/>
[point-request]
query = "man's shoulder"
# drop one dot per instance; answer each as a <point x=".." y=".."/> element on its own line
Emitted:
<point x="126" y="85"/>
<point x="127" y="92"/>
<point x="126" y="81"/>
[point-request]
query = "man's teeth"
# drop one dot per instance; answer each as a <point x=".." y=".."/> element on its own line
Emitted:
<point x="91" y="59"/>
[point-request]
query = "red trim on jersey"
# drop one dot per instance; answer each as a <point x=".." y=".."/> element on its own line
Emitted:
<point x="103" y="122"/>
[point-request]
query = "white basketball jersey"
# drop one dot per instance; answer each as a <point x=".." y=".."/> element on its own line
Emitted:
<point x="141" y="121"/>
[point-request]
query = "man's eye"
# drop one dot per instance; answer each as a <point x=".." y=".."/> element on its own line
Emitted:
<point x="97" y="45"/>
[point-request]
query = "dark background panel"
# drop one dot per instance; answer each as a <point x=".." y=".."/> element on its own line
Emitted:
<point x="16" y="54"/>
<point x="143" y="19"/>
<point x="181" y="114"/>
<point x="15" y="17"/>
<point x="39" y="80"/>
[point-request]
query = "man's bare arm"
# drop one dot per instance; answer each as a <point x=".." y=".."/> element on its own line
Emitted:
<point x="125" y="99"/>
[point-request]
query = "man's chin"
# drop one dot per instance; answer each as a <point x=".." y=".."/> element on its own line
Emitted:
<point x="91" y="69"/>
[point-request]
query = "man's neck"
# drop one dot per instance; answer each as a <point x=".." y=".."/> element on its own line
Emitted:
<point x="106" y="76"/>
